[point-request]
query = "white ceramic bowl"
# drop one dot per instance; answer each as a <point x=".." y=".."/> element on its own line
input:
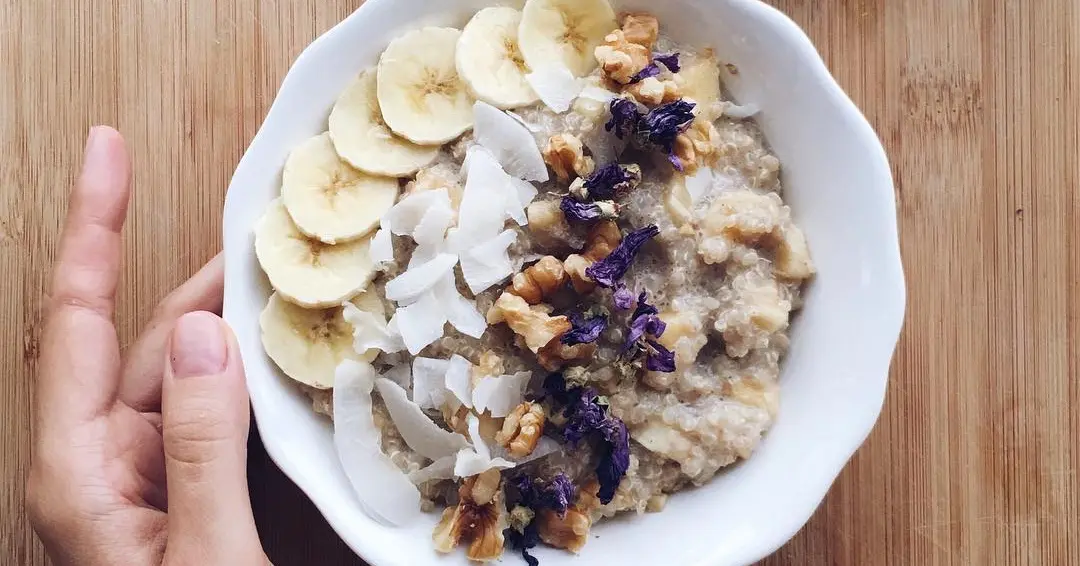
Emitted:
<point x="840" y="189"/>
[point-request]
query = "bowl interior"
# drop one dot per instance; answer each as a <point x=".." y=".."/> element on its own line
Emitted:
<point x="833" y="384"/>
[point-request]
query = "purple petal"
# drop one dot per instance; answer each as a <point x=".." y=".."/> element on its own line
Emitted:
<point x="622" y="297"/>
<point x="584" y="331"/>
<point x="663" y="124"/>
<point x="579" y="211"/>
<point x="624" y="117"/>
<point x="661" y="359"/>
<point x="669" y="60"/>
<point x="651" y="70"/>
<point x="609" y="270"/>
<point x="614" y="460"/>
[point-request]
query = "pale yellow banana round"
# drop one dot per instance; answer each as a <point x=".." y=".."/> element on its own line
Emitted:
<point x="308" y="344"/>
<point x="330" y="200"/>
<point x="362" y="138"/>
<point x="490" y="61"/>
<point x="422" y="97"/>
<point x="565" y="31"/>
<point x="304" y="270"/>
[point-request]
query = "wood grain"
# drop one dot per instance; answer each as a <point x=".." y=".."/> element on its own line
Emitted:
<point x="976" y="457"/>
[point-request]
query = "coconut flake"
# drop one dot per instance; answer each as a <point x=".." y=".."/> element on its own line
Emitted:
<point x="371" y="331"/>
<point x="461" y="312"/>
<point x="432" y="227"/>
<point x="741" y="112"/>
<point x="420" y="323"/>
<point x="477" y="460"/>
<point x="699" y="184"/>
<point x="523" y="195"/>
<point x="384" y="492"/>
<point x="488" y="263"/>
<point x="404" y="217"/>
<point x="483" y="203"/>
<point x="381" y="248"/>
<point x="534" y="128"/>
<point x="419" y="432"/>
<point x="599" y="94"/>
<point x="441" y="469"/>
<point x="401" y="375"/>
<point x="458" y="379"/>
<point x="500" y="394"/>
<point x="429" y="382"/>
<point x="556" y="85"/>
<point x="513" y="146"/>
<point x="417" y="280"/>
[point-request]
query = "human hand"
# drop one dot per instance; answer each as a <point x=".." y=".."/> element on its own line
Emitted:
<point x="139" y="459"/>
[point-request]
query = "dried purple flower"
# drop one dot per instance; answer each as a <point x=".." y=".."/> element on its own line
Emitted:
<point x="579" y="211"/>
<point x="614" y="459"/>
<point x="524" y="540"/>
<point x="669" y="60"/>
<point x="557" y="494"/>
<point x="624" y="117"/>
<point x="643" y="322"/>
<point x="554" y="386"/>
<point x="612" y="180"/>
<point x="584" y="330"/>
<point x="659" y="358"/>
<point x="651" y="70"/>
<point x="622" y="297"/>
<point x="663" y="124"/>
<point x="587" y="416"/>
<point x="609" y="270"/>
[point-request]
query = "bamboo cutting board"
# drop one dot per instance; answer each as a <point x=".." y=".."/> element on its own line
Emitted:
<point x="976" y="457"/>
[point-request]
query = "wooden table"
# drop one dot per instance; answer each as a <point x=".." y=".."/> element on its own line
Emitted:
<point x="976" y="457"/>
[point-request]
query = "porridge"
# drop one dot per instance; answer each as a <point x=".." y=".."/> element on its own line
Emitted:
<point x="536" y="275"/>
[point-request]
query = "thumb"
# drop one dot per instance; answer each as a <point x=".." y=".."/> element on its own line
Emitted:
<point x="205" y="415"/>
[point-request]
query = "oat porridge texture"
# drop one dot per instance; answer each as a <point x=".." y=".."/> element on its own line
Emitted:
<point x="541" y="272"/>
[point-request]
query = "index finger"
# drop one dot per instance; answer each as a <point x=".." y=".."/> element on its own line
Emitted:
<point x="80" y="351"/>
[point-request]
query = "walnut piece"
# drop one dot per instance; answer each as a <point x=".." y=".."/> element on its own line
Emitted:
<point x="641" y="28"/>
<point x="539" y="281"/>
<point x="556" y="355"/>
<point x="478" y="519"/>
<point x="490" y="364"/>
<point x="533" y="323"/>
<point x="547" y="224"/>
<point x="652" y="91"/>
<point x="566" y="155"/>
<point x="522" y="429"/>
<point x="570" y="531"/>
<point x="602" y="239"/>
<point x="620" y="59"/>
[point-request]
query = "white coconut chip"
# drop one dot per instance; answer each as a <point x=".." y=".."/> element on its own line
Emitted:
<point x="400" y="374"/>
<point x="534" y="128"/>
<point x="408" y="287"/>
<point x="419" y="432"/>
<point x="488" y="262"/>
<point x="441" y="469"/>
<point x="429" y="382"/>
<point x="406" y="215"/>
<point x="741" y="111"/>
<point x="381" y="248"/>
<point x="371" y="332"/>
<point x="699" y="184"/>
<point x="556" y="85"/>
<point x="523" y="195"/>
<point x="482" y="213"/>
<point x="384" y="491"/>
<point x="513" y="146"/>
<point x="460" y="312"/>
<point x="597" y="93"/>
<point x="458" y="379"/>
<point x="432" y="227"/>
<point x="477" y="460"/>
<point x="500" y="394"/>
<point x="421" y="323"/>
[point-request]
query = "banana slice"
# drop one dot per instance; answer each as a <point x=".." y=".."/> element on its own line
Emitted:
<point x="306" y="271"/>
<point x="362" y="139"/>
<point x="566" y="31"/>
<point x="422" y="97"/>
<point x="308" y="344"/>
<point x="490" y="62"/>
<point x="328" y="199"/>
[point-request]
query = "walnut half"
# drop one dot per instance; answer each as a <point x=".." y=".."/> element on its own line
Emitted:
<point x="566" y="155"/>
<point x="620" y="59"/>
<point x="533" y="323"/>
<point x="478" y="519"/>
<point x="522" y="429"/>
<point x="539" y="281"/>
<point x="570" y="531"/>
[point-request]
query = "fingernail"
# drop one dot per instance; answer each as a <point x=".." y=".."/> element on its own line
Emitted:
<point x="198" y="346"/>
<point x="93" y="145"/>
